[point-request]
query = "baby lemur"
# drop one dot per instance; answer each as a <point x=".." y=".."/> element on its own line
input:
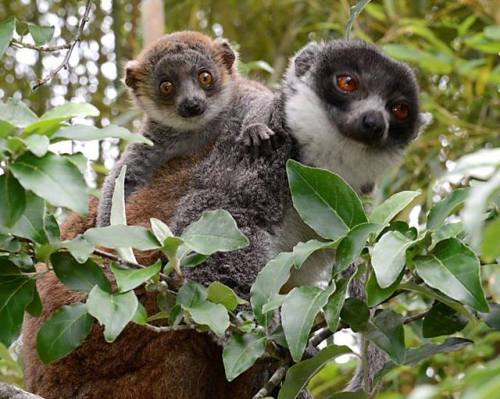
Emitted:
<point x="188" y="86"/>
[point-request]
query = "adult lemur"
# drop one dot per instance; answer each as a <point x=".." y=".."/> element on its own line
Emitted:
<point x="188" y="86"/>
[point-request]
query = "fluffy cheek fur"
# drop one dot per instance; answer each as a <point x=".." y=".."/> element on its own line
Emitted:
<point x="322" y="145"/>
<point x="168" y="116"/>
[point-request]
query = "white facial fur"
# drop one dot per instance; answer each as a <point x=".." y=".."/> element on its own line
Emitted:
<point x="322" y="145"/>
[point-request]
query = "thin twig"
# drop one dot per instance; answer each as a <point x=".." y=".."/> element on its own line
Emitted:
<point x="42" y="49"/>
<point x="76" y="41"/>
<point x="364" y="362"/>
<point x="415" y="317"/>
<point x="162" y="329"/>
<point x="273" y="382"/>
<point x="320" y="336"/>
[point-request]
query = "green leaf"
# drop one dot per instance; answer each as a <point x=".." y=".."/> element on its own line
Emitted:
<point x="35" y="308"/>
<point x="209" y="314"/>
<point x="31" y="224"/>
<point x="389" y="257"/>
<point x="453" y="269"/>
<point x="324" y="200"/>
<point x="442" y="320"/>
<point x="303" y="250"/>
<point x="7" y="28"/>
<point x="215" y="231"/>
<point x="170" y="247"/>
<point x="300" y="308"/>
<point x="53" y="178"/>
<point x="444" y="208"/>
<point x="335" y="304"/>
<point x="13" y="200"/>
<point x="387" y="332"/>
<point x="41" y="34"/>
<point x="268" y="283"/>
<point x="16" y="112"/>
<point x="352" y="244"/>
<point x="191" y="293"/>
<point x="113" y="311"/>
<point x="120" y="236"/>
<point x="376" y="295"/>
<point x="128" y="279"/>
<point x="80" y="248"/>
<point x="141" y="315"/>
<point x="70" y="110"/>
<point x="78" y="276"/>
<point x="392" y="206"/>
<point x="241" y="352"/>
<point x="355" y="11"/>
<point x="490" y="247"/>
<point x="37" y="144"/>
<point x="220" y="293"/>
<point x="193" y="260"/>
<point x="16" y="293"/>
<point x="160" y="230"/>
<point x="299" y="375"/>
<point x="87" y="133"/>
<point x="492" y="318"/>
<point x="63" y="332"/>
<point x="355" y="313"/>
<point x="492" y="32"/>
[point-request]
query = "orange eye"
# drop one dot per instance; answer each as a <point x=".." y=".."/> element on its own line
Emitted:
<point x="205" y="78"/>
<point x="347" y="83"/>
<point x="167" y="87"/>
<point x="400" y="111"/>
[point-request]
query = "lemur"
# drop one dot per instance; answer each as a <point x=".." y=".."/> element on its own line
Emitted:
<point x="188" y="86"/>
<point x="346" y="107"/>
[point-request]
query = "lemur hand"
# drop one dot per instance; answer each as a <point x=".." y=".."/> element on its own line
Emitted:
<point x="261" y="140"/>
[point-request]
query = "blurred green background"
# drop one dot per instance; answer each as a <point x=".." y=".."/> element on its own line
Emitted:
<point x="454" y="47"/>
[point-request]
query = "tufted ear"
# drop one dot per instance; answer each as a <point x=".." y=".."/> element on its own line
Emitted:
<point x="227" y="53"/>
<point x="131" y="79"/>
<point x="424" y="119"/>
<point x="304" y="58"/>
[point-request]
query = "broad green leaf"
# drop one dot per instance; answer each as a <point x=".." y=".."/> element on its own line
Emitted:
<point x="120" y="236"/>
<point x="376" y="295"/>
<point x="335" y="303"/>
<point x="241" y="352"/>
<point x="324" y="200"/>
<point x="128" y="279"/>
<point x="392" y="206"/>
<point x="492" y="318"/>
<point x="35" y="308"/>
<point x="299" y="375"/>
<point x="78" y="276"/>
<point x="442" y="320"/>
<point x="171" y="245"/>
<point x="37" y="144"/>
<point x="70" y="110"/>
<point x="53" y="178"/>
<point x="193" y="259"/>
<point x="6" y="130"/>
<point x="141" y="315"/>
<point x="490" y="247"/>
<point x="209" y="314"/>
<point x="268" y="283"/>
<point x="274" y="303"/>
<point x="113" y="311"/>
<point x="79" y="247"/>
<point x="298" y="312"/>
<point x="215" y="231"/>
<point x="160" y="230"/>
<point x="352" y="244"/>
<point x="446" y="231"/>
<point x="41" y="34"/>
<point x="79" y="160"/>
<point x="389" y="257"/>
<point x="220" y="293"/>
<point x="87" y="133"/>
<point x="44" y="127"/>
<point x="355" y="313"/>
<point x="7" y="28"/>
<point x="16" y="292"/>
<point x="31" y="224"/>
<point x="303" y="250"/>
<point x="387" y="332"/>
<point x="444" y="208"/>
<point x="453" y="269"/>
<point x="16" y="113"/>
<point x="63" y="332"/>
<point x="191" y="293"/>
<point x="414" y="356"/>
<point x="12" y="200"/>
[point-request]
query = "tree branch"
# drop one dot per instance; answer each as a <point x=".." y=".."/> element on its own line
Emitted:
<point x="76" y="41"/>
<point x="273" y="382"/>
<point x="11" y="392"/>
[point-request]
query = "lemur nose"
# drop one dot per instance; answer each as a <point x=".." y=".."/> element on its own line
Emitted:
<point x="191" y="107"/>
<point x="373" y="124"/>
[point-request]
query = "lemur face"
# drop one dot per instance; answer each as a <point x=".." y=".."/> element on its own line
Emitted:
<point x="184" y="81"/>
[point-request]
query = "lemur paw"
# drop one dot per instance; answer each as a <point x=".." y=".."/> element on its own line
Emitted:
<point x="259" y="139"/>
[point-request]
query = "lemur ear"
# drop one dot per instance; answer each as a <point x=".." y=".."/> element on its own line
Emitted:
<point x="227" y="52"/>
<point x="424" y="119"/>
<point x="131" y="79"/>
<point x="304" y="58"/>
